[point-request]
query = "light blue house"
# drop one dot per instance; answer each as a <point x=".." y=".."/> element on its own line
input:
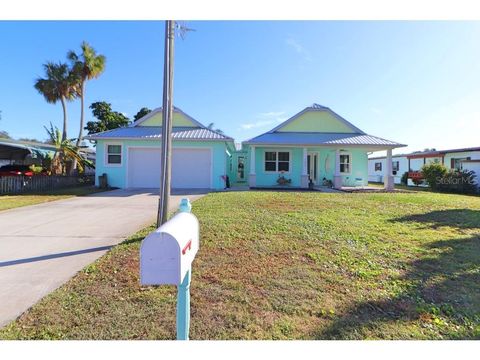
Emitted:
<point x="313" y="148"/>
<point x="130" y="156"/>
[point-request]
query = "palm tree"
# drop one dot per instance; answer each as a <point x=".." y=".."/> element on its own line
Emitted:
<point x="86" y="66"/>
<point x="59" y="84"/>
<point x="64" y="150"/>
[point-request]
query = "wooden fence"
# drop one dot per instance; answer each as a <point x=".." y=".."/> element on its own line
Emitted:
<point x="38" y="183"/>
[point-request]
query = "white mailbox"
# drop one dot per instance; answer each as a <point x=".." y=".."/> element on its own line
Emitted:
<point x="167" y="253"/>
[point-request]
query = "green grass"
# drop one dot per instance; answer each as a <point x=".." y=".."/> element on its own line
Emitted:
<point x="401" y="187"/>
<point x="14" y="201"/>
<point x="286" y="265"/>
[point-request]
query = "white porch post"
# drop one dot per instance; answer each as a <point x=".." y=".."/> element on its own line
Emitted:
<point x="388" y="178"/>
<point x="252" y="177"/>
<point x="304" y="177"/>
<point x="337" y="178"/>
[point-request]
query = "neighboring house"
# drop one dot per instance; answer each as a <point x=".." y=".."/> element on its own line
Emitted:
<point x="20" y="152"/>
<point x="452" y="158"/>
<point x="130" y="156"/>
<point x="459" y="159"/>
<point x="377" y="168"/>
<point x="464" y="158"/>
<point x="315" y="146"/>
<point x="23" y="152"/>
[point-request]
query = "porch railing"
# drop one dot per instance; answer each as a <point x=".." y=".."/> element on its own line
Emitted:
<point x="38" y="183"/>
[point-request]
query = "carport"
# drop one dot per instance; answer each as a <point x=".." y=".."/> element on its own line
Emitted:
<point x="19" y="152"/>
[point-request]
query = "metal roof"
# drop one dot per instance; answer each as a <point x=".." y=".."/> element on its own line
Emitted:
<point x="297" y="138"/>
<point x="155" y="132"/>
<point x="440" y="152"/>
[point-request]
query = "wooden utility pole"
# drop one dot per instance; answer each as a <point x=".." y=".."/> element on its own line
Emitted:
<point x="167" y="119"/>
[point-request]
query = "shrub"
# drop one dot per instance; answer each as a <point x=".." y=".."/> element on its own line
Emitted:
<point x="433" y="173"/>
<point x="36" y="169"/>
<point x="458" y="181"/>
<point x="404" y="179"/>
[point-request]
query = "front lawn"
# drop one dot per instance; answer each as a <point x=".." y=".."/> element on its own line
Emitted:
<point x="286" y="265"/>
<point x="13" y="201"/>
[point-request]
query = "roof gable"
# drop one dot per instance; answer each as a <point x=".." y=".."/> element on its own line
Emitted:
<point x="180" y="119"/>
<point x="317" y="119"/>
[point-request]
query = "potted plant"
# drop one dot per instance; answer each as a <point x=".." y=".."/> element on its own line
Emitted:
<point x="282" y="180"/>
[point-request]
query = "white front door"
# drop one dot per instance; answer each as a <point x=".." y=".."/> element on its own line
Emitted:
<point x="191" y="168"/>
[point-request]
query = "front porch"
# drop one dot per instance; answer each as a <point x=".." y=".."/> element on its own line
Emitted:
<point x="311" y="167"/>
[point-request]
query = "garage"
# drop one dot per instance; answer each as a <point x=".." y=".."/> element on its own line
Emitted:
<point x="191" y="168"/>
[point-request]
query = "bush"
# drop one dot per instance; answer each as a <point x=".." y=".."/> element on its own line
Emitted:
<point x="433" y="173"/>
<point x="458" y="181"/>
<point x="404" y="179"/>
<point x="36" y="169"/>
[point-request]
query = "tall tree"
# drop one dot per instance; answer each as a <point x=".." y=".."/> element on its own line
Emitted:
<point x="58" y="85"/>
<point x="141" y="113"/>
<point x="85" y="66"/>
<point x="107" y="119"/>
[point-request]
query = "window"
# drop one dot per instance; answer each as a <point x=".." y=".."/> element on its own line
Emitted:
<point x="457" y="163"/>
<point x="114" y="154"/>
<point x="395" y="165"/>
<point x="378" y="166"/>
<point x="277" y="161"/>
<point x="345" y="164"/>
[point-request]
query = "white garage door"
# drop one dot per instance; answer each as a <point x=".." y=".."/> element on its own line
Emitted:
<point x="191" y="168"/>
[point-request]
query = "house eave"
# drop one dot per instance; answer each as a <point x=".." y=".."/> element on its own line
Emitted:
<point x="373" y="146"/>
<point x="152" y="139"/>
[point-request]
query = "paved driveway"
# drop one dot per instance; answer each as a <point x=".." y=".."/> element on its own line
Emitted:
<point x="42" y="246"/>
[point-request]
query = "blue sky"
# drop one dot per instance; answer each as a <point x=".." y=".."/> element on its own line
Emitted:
<point x="413" y="82"/>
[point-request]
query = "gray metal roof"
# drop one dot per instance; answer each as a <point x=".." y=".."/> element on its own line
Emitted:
<point x="297" y="138"/>
<point x="155" y="132"/>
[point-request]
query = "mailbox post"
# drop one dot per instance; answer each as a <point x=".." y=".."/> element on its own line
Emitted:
<point x="166" y="257"/>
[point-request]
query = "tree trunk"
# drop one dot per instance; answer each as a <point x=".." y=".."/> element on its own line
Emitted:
<point x="82" y="121"/>
<point x="64" y="106"/>
<point x="82" y="112"/>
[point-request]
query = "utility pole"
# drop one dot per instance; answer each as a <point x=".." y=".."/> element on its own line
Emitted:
<point x="167" y="119"/>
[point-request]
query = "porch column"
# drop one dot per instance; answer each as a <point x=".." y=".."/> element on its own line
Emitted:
<point x="388" y="178"/>
<point x="304" y="177"/>
<point x="252" y="177"/>
<point x="337" y="178"/>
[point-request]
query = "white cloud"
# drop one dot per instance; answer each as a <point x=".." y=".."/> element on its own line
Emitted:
<point x="272" y="114"/>
<point x="257" y="124"/>
<point x="376" y="110"/>
<point x="299" y="48"/>
<point x="265" y="119"/>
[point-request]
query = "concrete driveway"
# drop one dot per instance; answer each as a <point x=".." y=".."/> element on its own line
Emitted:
<point x="42" y="246"/>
